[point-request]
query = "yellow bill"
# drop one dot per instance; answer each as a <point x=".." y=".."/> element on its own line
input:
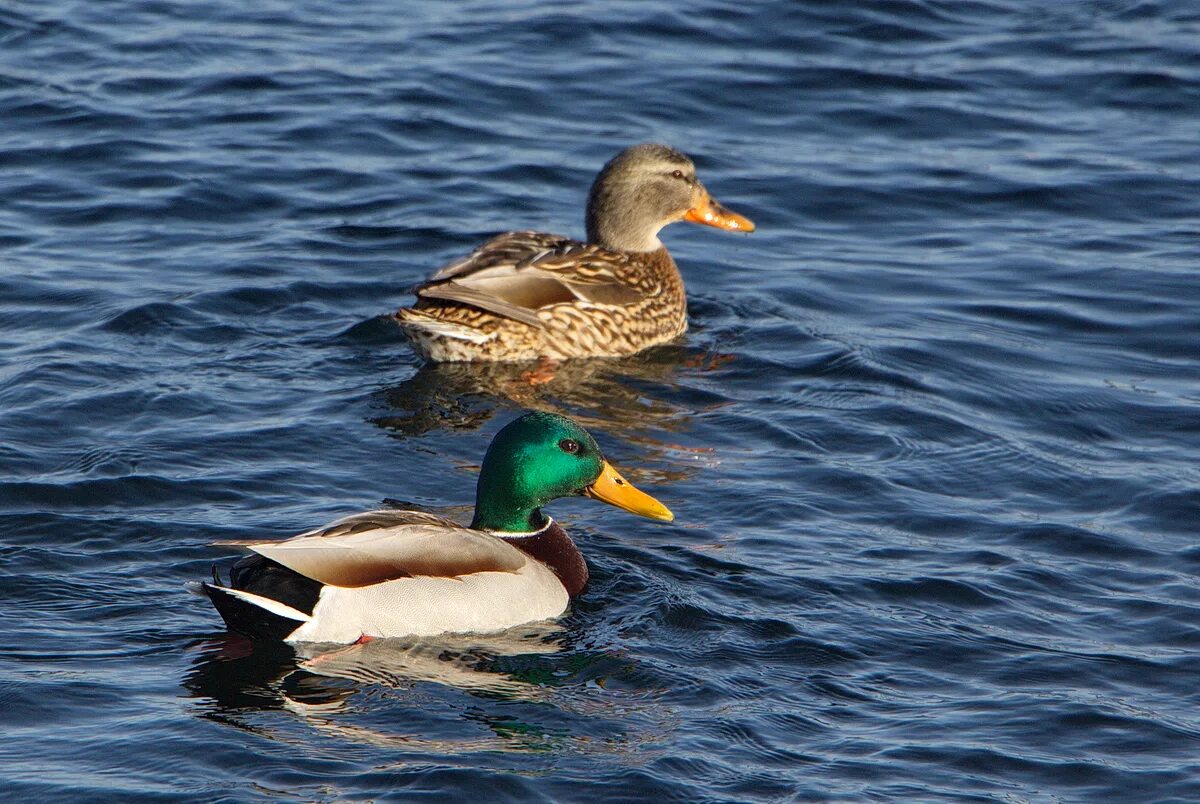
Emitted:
<point x="613" y="489"/>
<point x="711" y="213"/>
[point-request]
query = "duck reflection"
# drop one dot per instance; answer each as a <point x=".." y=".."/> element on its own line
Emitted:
<point x="516" y="691"/>
<point x="464" y="661"/>
<point x="628" y="398"/>
<point x="236" y="673"/>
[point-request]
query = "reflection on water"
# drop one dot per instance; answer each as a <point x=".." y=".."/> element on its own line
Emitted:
<point x="617" y="395"/>
<point x="630" y="399"/>
<point x="325" y="679"/>
<point x="522" y="690"/>
<point x="236" y="673"/>
<point x="468" y="662"/>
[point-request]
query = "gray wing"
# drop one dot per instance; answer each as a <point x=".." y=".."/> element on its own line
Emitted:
<point x="376" y="520"/>
<point x="379" y="546"/>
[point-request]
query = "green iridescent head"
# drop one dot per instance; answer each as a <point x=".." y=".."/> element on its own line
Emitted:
<point x="540" y="457"/>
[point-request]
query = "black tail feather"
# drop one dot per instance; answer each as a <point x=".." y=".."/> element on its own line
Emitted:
<point x="261" y="576"/>
<point x="245" y="617"/>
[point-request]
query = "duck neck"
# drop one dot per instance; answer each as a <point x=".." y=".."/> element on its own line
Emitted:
<point x="508" y="519"/>
<point x="618" y="227"/>
<point x="624" y="240"/>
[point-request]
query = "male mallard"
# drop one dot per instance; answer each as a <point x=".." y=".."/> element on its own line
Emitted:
<point x="529" y="295"/>
<point x="409" y="573"/>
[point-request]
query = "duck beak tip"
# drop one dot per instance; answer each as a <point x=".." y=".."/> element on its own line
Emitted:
<point x="711" y="213"/>
<point x="615" y="490"/>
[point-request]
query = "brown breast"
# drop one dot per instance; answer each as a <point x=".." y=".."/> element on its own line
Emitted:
<point x="554" y="548"/>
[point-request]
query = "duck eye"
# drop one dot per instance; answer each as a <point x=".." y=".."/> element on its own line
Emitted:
<point x="677" y="174"/>
<point x="569" y="446"/>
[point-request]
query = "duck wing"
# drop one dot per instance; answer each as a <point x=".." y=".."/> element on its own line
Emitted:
<point x="379" y="546"/>
<point x="518" y="273"/>
<point x="380" y="518"/>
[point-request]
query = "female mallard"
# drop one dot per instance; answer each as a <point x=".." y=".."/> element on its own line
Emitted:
<point x="408" y="573"/>
<point x="528" y="295"/>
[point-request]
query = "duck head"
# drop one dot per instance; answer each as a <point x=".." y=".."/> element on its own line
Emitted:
<point x="644" y="188"/>
<point x="540" y="457"/>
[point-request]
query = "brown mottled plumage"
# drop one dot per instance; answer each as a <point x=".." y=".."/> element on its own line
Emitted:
<point x="527" y="295"/>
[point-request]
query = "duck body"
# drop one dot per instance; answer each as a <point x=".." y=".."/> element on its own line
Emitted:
<point x="398" y="573"/>
<point x="529" y="295"/>
<point x="409" y="573"/>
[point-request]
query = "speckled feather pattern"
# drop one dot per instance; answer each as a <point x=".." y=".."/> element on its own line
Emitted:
<point x="647" y="303"/>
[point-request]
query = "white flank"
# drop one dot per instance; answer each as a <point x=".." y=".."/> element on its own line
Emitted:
<point x="480" y="603"/>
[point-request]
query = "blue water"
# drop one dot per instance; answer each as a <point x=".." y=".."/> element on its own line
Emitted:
<point x="932" y="439"/>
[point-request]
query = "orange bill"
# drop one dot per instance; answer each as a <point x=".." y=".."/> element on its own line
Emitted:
<point x="613" y="489"/>
<point x="711" y="213"/>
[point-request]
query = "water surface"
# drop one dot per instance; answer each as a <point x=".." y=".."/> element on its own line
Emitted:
<point x="931" y="440"/>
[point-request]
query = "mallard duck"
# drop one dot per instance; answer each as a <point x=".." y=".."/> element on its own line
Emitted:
<point x="409" y="573"/>
<point x="529" y="295"/>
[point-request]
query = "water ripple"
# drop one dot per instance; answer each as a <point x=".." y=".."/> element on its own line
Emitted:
<point x="931" y="438"/>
